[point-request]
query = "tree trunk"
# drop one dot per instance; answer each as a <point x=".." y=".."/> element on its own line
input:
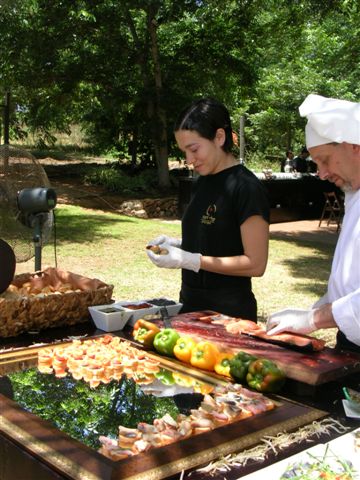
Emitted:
<point x="288" y="138"/>
<point x="160" y="127"/>
<point x="134" y="148"/>
<point x="155" y="112"/>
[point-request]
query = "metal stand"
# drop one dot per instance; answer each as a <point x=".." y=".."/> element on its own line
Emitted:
<point x="37" y="221"/>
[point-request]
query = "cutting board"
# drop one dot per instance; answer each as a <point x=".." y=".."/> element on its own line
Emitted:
<point x="312" y="368"/>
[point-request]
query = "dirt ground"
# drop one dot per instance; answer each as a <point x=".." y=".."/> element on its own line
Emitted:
<point x="66" y="177"/>
<point x="307" y="230"/>
<point x="73" y="192"/>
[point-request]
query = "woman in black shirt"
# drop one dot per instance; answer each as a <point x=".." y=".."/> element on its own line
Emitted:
<point x="225" y="228"/>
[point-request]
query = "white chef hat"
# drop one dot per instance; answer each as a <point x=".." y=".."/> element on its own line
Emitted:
<point x="330" y="120"/>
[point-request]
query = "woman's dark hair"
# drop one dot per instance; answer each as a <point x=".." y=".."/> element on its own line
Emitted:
<point x="206" y="116"/>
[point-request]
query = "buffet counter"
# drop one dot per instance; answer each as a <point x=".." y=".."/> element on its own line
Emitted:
<point x="292" y="196"/>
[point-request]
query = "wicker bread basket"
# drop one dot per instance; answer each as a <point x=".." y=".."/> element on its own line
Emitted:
<point x="47" y="299"/>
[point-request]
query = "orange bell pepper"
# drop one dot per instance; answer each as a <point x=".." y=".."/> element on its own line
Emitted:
<point x="144" y="332"/>
<point x="183" y="348"/>
<point x="204" y="355"/>
<point x="222" y="366"/>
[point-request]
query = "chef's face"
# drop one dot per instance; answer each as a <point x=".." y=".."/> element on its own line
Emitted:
<point x="206" y="156"/>
<point x="338" y="163"/>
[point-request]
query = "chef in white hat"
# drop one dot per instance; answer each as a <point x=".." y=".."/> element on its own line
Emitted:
<point x="333" y="140"/>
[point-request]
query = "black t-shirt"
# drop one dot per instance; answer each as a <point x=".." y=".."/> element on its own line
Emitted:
<point x="211" y="226"/>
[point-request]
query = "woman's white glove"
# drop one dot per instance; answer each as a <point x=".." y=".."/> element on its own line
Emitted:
<point x="175" y="242"/>
<point x="291" y="320"/>
<point x="176" y="258"/>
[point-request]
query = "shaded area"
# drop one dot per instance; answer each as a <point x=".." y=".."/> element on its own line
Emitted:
<point x="314" y="265"/>
<point x="313" y="269"/>
<point x="78" y="229"/>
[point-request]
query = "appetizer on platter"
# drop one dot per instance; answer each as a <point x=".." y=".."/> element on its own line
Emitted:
<point x="225" y="405"/>
<point x="98" y="360"/>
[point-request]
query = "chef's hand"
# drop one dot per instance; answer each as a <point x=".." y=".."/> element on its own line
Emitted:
<point x="176" y="258"/>
<point x="176" y="242"/>
<point x="293" y="320"/>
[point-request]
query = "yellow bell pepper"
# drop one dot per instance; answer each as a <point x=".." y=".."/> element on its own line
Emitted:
<point x="222" y="366"/>
<point x="204" y="355"/>
<point x="183" y="348"/>
<point x="183" y="380"/>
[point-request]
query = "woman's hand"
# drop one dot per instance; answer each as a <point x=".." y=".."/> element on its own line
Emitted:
<point x="176" y="258"/>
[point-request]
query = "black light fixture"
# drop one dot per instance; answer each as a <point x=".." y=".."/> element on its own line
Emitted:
<point x="35" y="205"/>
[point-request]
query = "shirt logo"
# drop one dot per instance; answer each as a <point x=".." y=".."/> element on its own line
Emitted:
<point x="209" y="217"/>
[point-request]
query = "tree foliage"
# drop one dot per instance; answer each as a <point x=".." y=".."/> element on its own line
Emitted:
<point x="124" y="69"/>
<point x="85" y="413"/>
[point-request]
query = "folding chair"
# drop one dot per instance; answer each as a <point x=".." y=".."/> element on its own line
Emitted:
<point x="333" y="210"/>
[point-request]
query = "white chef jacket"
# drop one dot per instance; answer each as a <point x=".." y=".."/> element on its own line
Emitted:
<point x="344" y="282"/>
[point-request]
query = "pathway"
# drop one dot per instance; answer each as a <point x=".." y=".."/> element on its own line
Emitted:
<point x="305" y="230"/>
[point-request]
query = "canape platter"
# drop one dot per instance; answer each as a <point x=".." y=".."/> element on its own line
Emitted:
<point x="24" y="433"/>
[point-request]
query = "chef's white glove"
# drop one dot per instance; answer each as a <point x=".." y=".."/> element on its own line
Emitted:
<point x="176" y="242"/>
<point x="294" y="320"/>
<point x="176" y="258"/>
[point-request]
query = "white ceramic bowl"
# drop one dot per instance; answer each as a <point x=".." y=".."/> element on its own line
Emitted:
<point x="116" y="315"/>
<point x="109" y="317"/>
<point x="172" y="309"/>
<point x="137" y="313"/>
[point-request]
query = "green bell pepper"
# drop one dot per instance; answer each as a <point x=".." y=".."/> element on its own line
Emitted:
<point x="165" y="340"/>
<point x="265" y="376"/>
<point x="239" y="365"/>
<point x="165" y="377"/>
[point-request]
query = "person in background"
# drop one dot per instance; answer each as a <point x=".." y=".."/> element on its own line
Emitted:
<point x="333" y="139"/>
<point x="287" y="164"/>
<point x="300" y="162"/>
<point x="225" y="228"/>
<point x="312" y="167"/>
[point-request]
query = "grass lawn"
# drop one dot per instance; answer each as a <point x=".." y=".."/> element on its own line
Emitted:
<point x="111" y="247"/>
